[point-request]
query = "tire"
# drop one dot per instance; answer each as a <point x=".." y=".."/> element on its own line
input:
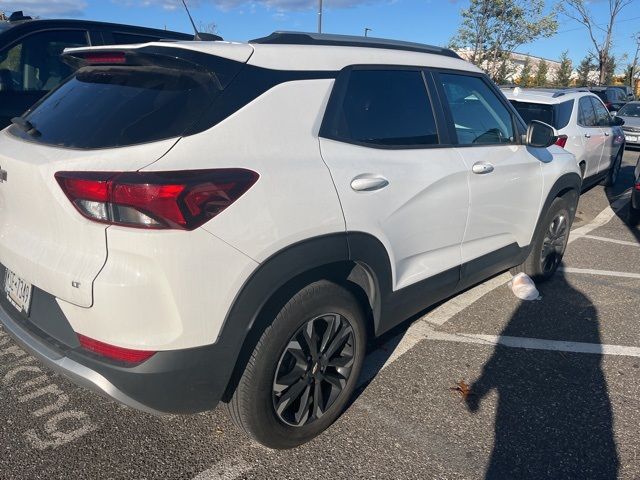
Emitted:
<point x="612" y="174"/>
<point x="549" y="242"/>
<point x="281" y="366"/>
<point x="633" y="216"/>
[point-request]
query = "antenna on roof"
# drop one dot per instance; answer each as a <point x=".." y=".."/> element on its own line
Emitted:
<point x="198" y="36"/>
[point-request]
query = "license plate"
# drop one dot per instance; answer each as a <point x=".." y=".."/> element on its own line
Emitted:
<point x="631" y="139"/>
<point x="18" y="291"/>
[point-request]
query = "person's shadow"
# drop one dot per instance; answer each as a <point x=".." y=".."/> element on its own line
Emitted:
<point x="554" y="417"/>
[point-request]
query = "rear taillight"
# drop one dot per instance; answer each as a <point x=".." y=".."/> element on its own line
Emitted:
<point x="158" y="200"/>
<point x="638" y="186"/>
<point x="112" y="352"/>
<point x="561" y="141"/>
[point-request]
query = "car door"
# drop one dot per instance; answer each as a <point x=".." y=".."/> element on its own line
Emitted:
<point x="593" y="138"/>
<point x="604" y="121"/>
<point x="505" y="179"/>
<point x="397" y="179"/>
<point x="31" y="67"/>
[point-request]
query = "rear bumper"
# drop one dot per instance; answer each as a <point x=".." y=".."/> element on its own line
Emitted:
<point x="178" y="381"/>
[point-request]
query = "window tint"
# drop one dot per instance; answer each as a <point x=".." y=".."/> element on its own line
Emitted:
<point x="121" y="38"/>
<point x="101" y="107"/>
<point x="630" y="110"/>
<point x="563" y="113"/>
<point x="558" y="116"/>
<point x="534" y="111"/>
<point x="386" y="107"/>
<point x="34" y="64"/>
<point x="603" y="119"/>
<point x="479" y="115"/>
<point x="586" y="114"/>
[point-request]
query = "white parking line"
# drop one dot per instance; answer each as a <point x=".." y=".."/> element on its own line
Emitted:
<point x="225" y="470"/>
<point x="606" y="273"/>
<point x="612" y="240"/>
<point x="535" y="343"/>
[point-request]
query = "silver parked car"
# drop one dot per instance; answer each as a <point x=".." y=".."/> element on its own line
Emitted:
<point x="630" y="113"/>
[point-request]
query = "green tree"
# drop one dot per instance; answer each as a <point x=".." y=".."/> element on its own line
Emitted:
<point x="562" y="77"/>
<point x="540" y="80"/>
<point x="584" y="71"/>
<point x="492" y="29"/>
<point x="504" y="71"/>
<point x="526" y="79"/>
<point x="610" y="70"/>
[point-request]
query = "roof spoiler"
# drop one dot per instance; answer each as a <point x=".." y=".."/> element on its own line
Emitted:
<point x="222" y="70"/>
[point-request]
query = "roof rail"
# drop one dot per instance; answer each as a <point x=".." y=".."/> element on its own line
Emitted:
<point x="304" y="38"/>
<point x="564" y="91"/>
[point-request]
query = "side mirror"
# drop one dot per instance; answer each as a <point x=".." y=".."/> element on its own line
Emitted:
<point x="540" y="135"/>
<point x="617" y="121"/>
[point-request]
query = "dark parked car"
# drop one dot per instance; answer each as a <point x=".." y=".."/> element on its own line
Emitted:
<point x="634" y="208"/>
<point x="628" y="91"/>
<point x="614" y="98"/>
<point x="30" y="64"/>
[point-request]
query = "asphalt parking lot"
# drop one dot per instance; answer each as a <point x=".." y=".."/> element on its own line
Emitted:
<point x="554" y="391"/>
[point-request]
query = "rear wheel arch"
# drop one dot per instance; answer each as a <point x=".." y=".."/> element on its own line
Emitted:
<point x="284" y="274"/>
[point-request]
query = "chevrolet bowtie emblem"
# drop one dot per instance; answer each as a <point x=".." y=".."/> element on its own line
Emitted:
<point x="3" y="175"/>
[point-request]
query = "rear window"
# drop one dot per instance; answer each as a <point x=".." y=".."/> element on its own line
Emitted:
<point x="558" y="115"/>
<point x="104" y="107"/>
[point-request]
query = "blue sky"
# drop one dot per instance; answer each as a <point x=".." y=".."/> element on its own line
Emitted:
<point x="427" y="21"/>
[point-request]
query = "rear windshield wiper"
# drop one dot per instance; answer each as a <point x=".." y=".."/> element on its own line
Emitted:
<point x="26" y="125"/>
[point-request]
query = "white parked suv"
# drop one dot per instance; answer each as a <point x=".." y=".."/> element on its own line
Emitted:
<point x="585" y="128"/>
<point x="188" y="223"/>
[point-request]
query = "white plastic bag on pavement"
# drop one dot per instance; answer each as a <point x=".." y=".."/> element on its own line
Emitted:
<point x="524" y="288"/>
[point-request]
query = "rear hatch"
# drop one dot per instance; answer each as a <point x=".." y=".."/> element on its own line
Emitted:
<point x="120" y="112"/>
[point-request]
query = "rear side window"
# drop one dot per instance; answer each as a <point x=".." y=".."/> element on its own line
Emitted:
<point x="480" y="117"/>
<point x="103" y="107"/>
<point x="385" y="108"/>
<point x="562" y="114"/>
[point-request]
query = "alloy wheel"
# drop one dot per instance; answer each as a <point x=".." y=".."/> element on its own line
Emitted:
<point x="314" y="369"/>
<point x="554" y="243"/>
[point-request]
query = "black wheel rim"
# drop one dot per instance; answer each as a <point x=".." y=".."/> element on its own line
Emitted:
<point x="554" y="243"/>
<point x="314" y="369"/>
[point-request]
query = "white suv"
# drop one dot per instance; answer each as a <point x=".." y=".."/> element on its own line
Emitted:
<point x="195" y="222"/>
<point x="585" y="128"/>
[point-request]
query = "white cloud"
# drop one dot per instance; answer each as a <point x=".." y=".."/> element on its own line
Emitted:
<point x="45" y="8"/>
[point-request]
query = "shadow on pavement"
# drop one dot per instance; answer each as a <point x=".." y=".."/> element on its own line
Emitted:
<point x="554" y="417"/>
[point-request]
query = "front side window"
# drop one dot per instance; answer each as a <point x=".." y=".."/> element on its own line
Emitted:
<point x="480" y="117"/>
<point x="586" y="113"/>
<point x="603" y="119"/>
<point x="385" y="108"/>
<point x="34" y="64"/>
